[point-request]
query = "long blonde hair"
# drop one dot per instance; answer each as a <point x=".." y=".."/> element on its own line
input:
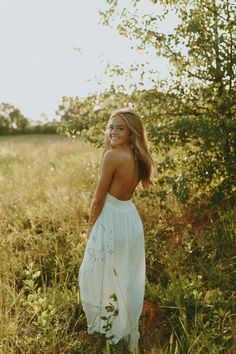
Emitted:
<point x="138" y="143"/>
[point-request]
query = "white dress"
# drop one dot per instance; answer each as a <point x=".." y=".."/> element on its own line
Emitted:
<point x="112" y="274"/>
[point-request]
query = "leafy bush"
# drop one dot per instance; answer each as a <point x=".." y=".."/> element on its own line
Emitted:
<point x="194" y="287"/>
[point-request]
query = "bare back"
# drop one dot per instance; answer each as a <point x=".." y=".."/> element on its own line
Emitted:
<point x="126" y="177"/>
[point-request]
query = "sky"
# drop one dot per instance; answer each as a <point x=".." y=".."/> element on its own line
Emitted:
<point x="55" y="48"/>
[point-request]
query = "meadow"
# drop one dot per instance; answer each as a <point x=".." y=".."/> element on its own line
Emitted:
<point x="46" y="186"/>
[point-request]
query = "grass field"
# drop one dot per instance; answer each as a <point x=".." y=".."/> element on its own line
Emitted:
<point x="46" y="185"/>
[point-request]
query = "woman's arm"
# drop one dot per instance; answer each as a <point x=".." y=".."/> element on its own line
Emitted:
<point x="107" y="147"/>
<point x="108" y="168"/>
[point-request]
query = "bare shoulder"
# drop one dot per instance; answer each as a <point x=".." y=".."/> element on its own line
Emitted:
<point x="114" y="156"/>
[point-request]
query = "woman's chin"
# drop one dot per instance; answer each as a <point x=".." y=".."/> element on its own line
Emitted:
<point x="114" y="144"/>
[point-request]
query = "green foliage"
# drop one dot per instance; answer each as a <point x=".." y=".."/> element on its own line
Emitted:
<point x="11" y="119"/>
<point x="41" y="128"/>
<point x="87" y="118"/>
<point x="194" y="287"/>
<point x="13" y="122"/>
<point x="200" y="99"/>
<point x="112" y="312"/>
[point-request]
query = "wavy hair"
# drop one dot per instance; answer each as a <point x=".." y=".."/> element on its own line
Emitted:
<point x="138" y="143"/>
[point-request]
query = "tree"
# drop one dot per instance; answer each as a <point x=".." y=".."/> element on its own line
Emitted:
<point x="11" y="119"/>
<point x="200" y="116"/>
<point x="87" y="117"/>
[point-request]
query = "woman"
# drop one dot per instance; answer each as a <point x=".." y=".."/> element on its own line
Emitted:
<point x="112" y="274"/>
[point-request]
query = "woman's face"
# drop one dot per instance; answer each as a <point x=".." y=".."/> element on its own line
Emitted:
<point x="119" y="132"/>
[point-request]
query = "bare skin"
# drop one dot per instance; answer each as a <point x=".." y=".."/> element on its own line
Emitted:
<point x="118" y="172"/>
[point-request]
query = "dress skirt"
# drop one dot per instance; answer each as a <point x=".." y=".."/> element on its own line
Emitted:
<point x="112" y="274"/>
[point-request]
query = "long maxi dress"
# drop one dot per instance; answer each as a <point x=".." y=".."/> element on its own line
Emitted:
<point x="112" y="274"/>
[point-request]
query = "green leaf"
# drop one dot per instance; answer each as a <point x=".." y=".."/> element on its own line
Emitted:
<point x="109" y="308"/>
<point x="113" y="296"/>
<point x="104" y="318"/>
<point x="36" y="274"/>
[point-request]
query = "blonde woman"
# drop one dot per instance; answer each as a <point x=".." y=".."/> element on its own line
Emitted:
<point x="112" y="274"/>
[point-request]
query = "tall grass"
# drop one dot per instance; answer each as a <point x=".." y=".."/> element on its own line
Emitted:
<point x="45" y="191"/>
<point x="46" y="184"/>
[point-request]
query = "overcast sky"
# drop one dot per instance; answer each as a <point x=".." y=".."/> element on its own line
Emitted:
<point x="38" y="60"/>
